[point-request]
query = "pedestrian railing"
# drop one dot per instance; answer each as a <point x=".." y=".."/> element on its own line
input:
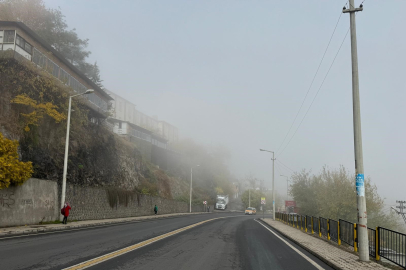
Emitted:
<point x="382" y="242"/>
<point x="316" y="226"/>
<point x="309" y="224"/>
<point x="347" y="232"/>
<point x="333" y="230"/>
<point x="323" y="227"/>
<point x="392" y="246"/>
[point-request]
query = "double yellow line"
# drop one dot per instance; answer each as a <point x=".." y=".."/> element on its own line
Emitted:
<point x="120" y="252"/>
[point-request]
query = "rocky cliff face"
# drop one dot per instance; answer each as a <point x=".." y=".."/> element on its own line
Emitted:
<point x="97" y="157"/>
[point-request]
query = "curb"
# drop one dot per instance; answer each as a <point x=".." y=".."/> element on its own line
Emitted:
<point x="33" y="231"/>
<point x="329" y="263"/>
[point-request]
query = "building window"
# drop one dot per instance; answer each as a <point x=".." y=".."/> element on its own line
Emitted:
<point x="23" y="44"/>
<point x="9" y="36"/>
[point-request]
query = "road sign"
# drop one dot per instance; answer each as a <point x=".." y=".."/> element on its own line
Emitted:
<point x="204" y="202"/>
<point x="262" y="200"/>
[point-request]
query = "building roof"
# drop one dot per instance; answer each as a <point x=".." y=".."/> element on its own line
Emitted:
<point x="57" y="54"/>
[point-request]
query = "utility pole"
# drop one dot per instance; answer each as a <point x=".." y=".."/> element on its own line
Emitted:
<point x="249" y="197"/>
<point x="401" y="207"/>
<point x="273" y="181"/>
<point x="362" y="232"/>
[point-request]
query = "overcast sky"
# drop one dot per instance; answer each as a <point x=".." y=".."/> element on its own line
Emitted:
<point x="235" y="72"/>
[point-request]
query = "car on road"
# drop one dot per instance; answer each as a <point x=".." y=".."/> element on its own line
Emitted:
<point x="251" y="211"/>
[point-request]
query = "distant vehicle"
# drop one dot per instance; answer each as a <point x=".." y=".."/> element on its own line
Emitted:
<point x="251" y="211"/>
<point x="222" y="202"/>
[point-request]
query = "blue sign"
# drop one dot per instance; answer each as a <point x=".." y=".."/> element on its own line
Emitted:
<point x="359" y="185"/>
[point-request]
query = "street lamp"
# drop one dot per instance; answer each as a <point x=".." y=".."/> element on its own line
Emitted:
<point x="191" y="181"/>
<point x="287" y="185"/>
<point x="273" y="181"/>
<point x="65" y="161"/>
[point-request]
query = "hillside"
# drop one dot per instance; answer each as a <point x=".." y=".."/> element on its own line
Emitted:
<point x="97" y="157"/>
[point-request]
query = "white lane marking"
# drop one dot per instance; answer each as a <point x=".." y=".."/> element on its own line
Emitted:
<point x="292" y="247"/>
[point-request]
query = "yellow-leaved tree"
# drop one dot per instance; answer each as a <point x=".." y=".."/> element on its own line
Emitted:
<point x="12" y="170"/>
<point x="39" y="110"/>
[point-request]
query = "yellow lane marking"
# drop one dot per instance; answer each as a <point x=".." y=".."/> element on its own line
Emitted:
<point x="120" y="252"/>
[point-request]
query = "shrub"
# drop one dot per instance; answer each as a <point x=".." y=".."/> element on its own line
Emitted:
<point x="12" y="171"/>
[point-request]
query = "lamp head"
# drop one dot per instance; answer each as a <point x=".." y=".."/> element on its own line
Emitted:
<point x="89" y="91"/>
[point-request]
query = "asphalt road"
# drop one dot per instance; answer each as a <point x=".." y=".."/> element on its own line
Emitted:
<point x="234" y="242"/>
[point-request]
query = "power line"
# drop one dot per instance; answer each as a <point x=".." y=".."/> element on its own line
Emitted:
<point x="317" y="91"/>
<point x="311" y="84"/>
<point x="285" y="165"/>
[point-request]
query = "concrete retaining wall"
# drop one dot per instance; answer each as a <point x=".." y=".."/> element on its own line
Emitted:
<point x="37" y="200"/>
<point x="31" y="203"/>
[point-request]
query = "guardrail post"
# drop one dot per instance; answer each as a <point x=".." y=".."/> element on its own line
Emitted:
<point x="355" y="238"/>
<point x="305" y="223"/>
<point x="312" y="226"/>
<point x="328" y="229"/>
<point x="377" y="244"/>
<point x="319" y="227"/>
<point x="297" y="222"/>
<point x="338" y="233"/>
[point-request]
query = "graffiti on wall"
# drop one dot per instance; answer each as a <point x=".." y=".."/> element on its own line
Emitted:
<point x="7" y="199"/>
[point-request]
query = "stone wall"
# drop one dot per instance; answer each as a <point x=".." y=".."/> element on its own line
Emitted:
<point x="31" y="203"/>
<point x="38" y="200"/>
<point x="93" y="203"/>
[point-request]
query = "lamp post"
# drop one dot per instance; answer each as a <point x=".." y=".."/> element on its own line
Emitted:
<point x="273" y="181"/>
<point x="287" y="185"/>
<point x="191" y="182"/>
<point x="65" y="161"/>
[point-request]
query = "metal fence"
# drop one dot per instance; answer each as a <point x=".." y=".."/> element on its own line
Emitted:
<point x="309" y="223"/>
<point x="315" y="225"/>
<point x="371" y="242"/>
<point x="323" y="227"/>
<point x="383" y="243"/>
<point x="392" y="246"/>
<point x="333" y="230"/>
<point x="347" y="232"/>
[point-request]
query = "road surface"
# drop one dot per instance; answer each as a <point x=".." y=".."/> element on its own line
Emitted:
<point x="232" y="241"/>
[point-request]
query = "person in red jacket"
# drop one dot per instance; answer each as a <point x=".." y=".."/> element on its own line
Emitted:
<point x="65" y="212"/>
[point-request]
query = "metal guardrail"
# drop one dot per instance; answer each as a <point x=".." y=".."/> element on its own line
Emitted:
<point x="315" y="225"/>
<point x="309" y="224"/>
<point x="323" y="227"/>
<point x="371" y="242"/>
<point x="347" y="232"/>
<point x="383" y="243"/>
<point x="392" y="246"/>
<point x="333" y="230"/>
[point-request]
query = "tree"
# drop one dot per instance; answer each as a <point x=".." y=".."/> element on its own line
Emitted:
<point x="12" y="171"/>
<point x="50" y="25"/>
<point x="331" y="194"/>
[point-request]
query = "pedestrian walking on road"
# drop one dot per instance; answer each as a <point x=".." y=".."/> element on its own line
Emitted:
<point x="208" y="209"/>
<point x="65" y="213"/>
<point x="156" y="209"/>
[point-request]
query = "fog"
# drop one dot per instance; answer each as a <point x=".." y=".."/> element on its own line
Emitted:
<point x="235" y="73"/>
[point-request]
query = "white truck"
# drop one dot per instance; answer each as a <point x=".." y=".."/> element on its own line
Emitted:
<point x="222" y="201"/>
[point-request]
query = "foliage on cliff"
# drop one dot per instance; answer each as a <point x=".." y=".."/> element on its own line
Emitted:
<point x="12" y="170"/>
<point x="97" y="157"/>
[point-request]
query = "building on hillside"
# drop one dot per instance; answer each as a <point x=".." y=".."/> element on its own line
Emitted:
<point x="125" y="110"/>
<point x="152" y="146"/>
<point x="168" y="131"/>
<point x="21" y="43"/>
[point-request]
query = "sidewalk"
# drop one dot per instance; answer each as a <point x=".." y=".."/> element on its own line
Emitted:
<point x="327" y="252"/>
<point x="30" y="229"/>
